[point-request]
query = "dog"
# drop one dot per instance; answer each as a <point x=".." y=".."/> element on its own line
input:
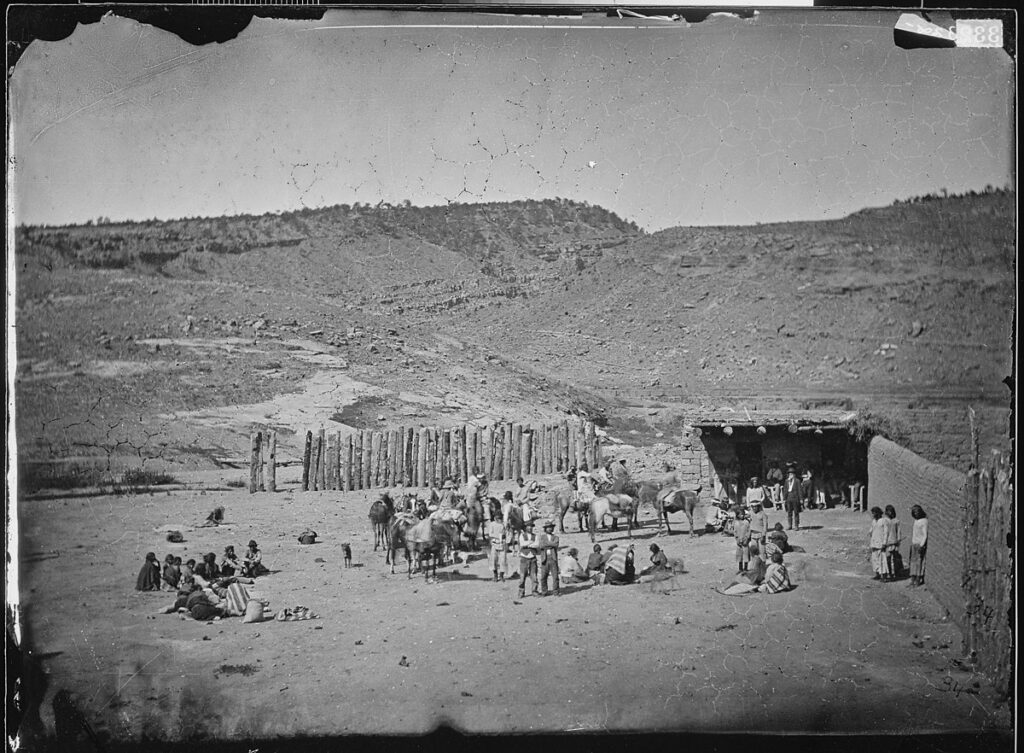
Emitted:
<point x="347" y="550"/>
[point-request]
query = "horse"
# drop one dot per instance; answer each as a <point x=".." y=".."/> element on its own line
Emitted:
<point x="615" y="505"/>
<point x="458" y="518"/>
<point x="427" y="540"/>
<point x="474" y="510"/>
<point x="399" y="527"/>
<point x="564" y="500"/>
<point x="380" y="515"/>
<point x="680" y="500"/>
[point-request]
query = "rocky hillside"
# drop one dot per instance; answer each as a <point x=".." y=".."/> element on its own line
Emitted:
<point x="527" y="309"/>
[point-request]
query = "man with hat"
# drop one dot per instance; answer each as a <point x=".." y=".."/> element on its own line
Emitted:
<point x="527" y="558"/>
<point x="547" y="553"/>
<point x="792" y="495"/>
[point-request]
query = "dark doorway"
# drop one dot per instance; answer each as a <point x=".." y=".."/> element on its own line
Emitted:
<point x="750" y="461"/>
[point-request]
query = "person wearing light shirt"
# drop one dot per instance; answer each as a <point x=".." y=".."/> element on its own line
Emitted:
<point x="918" y="545"/>
<point x="527" y="559"/>
<point x="498" y="556"/>
<point x="571" y="571"/>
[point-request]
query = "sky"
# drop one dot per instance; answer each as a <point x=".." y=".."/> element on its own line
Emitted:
<point x="794" y="115"/>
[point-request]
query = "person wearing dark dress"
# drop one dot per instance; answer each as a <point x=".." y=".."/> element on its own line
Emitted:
<point x="149" y="575"/>
<point x="207" y="569"/>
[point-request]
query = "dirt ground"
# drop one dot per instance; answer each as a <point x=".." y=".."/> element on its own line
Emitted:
<point x="840" y="653"/>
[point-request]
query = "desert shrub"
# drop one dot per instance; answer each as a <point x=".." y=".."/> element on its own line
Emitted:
<point x="143" y="477"/>
<point x="867" y="424"/>
<point x="33" y="477"/>
<point x="236" y="483"/>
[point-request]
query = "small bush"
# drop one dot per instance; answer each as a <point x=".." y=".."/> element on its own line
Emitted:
<point x="32" y="478"/>
<point x="142" y="477"/>
<point x="867" y="424"/>
<point x="236" y="483"/>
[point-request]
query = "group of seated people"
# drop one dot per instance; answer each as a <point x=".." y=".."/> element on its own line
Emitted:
<point x="207" y="589"/>
<point x="617" y="565"/>
<point x="174" y="573"/>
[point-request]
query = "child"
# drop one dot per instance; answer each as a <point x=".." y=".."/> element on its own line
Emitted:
<point x="346" y="550"/>
<point x="149" y="574"/>
<point x="879" y="529"/>
<point x="171" y="574"/>
<point x="742" y="529"/>
<point x="892" y="544"/>
<point x="918" y="545"/>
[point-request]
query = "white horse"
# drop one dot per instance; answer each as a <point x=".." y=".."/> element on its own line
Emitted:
<point x="615" y="505"/>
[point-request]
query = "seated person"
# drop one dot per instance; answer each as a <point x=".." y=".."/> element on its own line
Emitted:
<point x="171" y="574"/>
<point x="659" y="562"/>
<point x="714" y="517"/>
<point x="776" y="578"/>
<point x="595" y="563"/>
<point x="569" y="568"/>
<point x="149" y="574"/>
<point x="619" y="569"/>
<point x="748" y="580"/>
<point x="252" y="565"/>
<point x="203" y="604"/>
<point x="207" y="569"/>
<point x="229" y="563"/>
<point x="779" y="538"/>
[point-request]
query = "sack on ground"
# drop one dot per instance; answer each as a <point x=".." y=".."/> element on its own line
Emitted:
<point x="253" y="611"/>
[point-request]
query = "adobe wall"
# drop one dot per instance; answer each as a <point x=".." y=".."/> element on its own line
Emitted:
<point x="899" y="477"/>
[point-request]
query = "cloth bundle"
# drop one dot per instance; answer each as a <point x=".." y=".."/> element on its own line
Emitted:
<point x="294" y="614"/>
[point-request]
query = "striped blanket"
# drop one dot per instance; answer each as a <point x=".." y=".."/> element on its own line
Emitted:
<point x="235" y="600"/>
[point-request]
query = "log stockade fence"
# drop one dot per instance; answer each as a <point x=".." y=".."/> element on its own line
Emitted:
<point x="427" y="456"/>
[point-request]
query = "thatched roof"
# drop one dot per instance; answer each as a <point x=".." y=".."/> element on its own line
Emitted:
<point x="824" y="418"/>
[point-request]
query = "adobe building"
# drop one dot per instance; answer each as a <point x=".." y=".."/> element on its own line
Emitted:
<point x="722" y="449"/>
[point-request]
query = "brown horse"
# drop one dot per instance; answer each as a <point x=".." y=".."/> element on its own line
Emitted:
<point x="474" y="518"/>
<point x="399" y="527"/>
<point x="681" y="500"/>
<point x="615" y="505"/>
<point x="380" y="516"/>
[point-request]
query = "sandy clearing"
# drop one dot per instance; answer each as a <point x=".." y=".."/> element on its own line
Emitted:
<point x="834" y="654"/>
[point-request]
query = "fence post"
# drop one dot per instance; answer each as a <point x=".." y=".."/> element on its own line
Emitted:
<point x="423" y="440"/>
<point x="261" y="476"/>
<point x="306" y="453"/>
<point x="346" y="463"/>
<point x="270" y="466"/>
<point x="564" y="451"/>
<point x="254" y="461"/>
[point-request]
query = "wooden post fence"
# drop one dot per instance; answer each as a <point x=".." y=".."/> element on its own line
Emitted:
<point x="427" y="456"/>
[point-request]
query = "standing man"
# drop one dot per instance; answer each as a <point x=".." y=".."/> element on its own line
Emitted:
<point x="547" y="553"/>
<point x="498" y="556"/>
<point x="792" y="496"/>
<point x="755" y="492"/>
<point x="527" y="558"/>
<point x="809" y="490"/>
<point x="758" y="526"/>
